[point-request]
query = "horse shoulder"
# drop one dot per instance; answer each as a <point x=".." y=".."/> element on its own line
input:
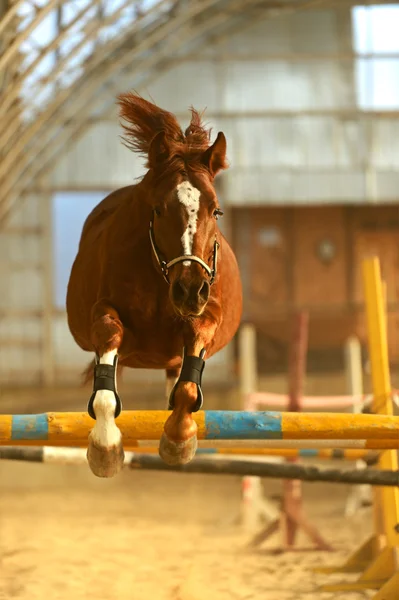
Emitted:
<point x="99" y="218"/>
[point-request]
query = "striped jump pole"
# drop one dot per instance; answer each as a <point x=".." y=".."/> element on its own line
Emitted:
<point x="378" y="558"/>
<point x="254" y="445"/>
<point x="72" y="428"/>
<point x="211" y="465"/>
<point x="367" y="456"/>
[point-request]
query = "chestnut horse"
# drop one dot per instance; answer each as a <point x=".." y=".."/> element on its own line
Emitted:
<point x="155" y="284"/>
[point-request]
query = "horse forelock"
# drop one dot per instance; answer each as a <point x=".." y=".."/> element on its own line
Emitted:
<point x="184" y="163"/>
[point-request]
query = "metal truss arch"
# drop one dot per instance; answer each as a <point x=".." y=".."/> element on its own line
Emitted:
<point x="142" y="38"/>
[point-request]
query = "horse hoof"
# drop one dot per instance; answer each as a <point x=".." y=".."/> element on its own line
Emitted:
<point x="105" y="462"/>
<point x="177" y="453"/>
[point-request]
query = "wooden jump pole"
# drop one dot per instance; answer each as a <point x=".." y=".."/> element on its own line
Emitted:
<point x="271" y="470"/>
<point x="329" y="445"/>
<point x="212" y="466"/>
<point x="292" y="507"/>
<point x="258" y="446"/>
<point x="293" y="515"/>
<point x="73" y="428"/>
<point x="381" y="567"/>
<point x="254" y="506"/>
<point x="369" y="456"/>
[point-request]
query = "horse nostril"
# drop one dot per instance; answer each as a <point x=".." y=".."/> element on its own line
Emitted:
<point x="179" y="291"/>
<point x="203" y="292"/>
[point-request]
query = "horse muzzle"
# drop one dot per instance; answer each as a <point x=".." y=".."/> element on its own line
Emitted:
<point x="189" y="296"/>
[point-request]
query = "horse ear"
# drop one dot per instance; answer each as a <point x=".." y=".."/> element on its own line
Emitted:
<point x="215" y="157"/>
<point x="159" y="150"/>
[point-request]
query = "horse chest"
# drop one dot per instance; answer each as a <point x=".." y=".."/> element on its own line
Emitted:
<point x="153" y="343"/>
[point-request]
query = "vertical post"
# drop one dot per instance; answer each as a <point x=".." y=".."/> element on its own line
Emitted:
<point x="385" y="301"/>
<point x="292" y="489"/>
<point x="353" y="368"/>
<point x="247" y="363"/>
<point x="378" y="557"/>
<point x="354" y="386"/>
<point x="387" y="498"/>
<point x="297" y="364"/>
<point x="291" y="516"/>
<point x="251" y="486"/>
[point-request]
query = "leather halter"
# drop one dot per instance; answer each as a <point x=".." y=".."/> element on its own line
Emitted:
<point x="165" y="266"/>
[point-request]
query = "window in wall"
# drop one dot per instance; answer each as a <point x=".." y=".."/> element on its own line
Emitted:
<point x="70" y="210"/>
<point x="375" y="33"/>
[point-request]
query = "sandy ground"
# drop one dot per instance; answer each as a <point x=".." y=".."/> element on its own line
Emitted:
<point x="67" y="535"/>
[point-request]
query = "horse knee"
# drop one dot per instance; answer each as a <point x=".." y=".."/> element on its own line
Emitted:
<point x="106" y="334"/>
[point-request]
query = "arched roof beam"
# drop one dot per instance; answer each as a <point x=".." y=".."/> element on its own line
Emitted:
<point x="38" y="167"/>
<point x="13" y="48"/>
<point x="13" y="90"/>
<point x="14" y="127"/>
<point x="84" y="88"/>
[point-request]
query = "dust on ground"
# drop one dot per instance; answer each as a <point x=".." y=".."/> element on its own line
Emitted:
<point x="66" y="535"/>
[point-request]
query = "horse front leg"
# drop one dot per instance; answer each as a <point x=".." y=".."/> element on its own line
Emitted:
<point x="172" y="376"/>
<point x="178" y="443"/>
<point x="105" y="453"/>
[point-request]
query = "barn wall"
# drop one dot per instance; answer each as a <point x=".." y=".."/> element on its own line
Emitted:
<point x="288" y="109"/>
<point x="21" y="298"/>
<point x="284" y="273"/>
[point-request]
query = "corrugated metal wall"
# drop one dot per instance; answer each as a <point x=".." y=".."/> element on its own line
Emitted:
<point x="21" y="298"/>
<point x="294" y="133"/>
<point x="294" y="136"/>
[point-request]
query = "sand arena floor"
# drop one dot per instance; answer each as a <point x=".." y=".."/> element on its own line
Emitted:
<point x="66" y="535"/>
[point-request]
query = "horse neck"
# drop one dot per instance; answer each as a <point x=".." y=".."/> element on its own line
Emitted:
<point x="138" y="205"/>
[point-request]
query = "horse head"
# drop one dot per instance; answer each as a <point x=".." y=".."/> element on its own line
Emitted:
<point x="179" y="187"/>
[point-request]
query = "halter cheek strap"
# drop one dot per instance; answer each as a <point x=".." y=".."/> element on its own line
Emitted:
<point x="165" y="266"/>
<point x="193" y="366"/>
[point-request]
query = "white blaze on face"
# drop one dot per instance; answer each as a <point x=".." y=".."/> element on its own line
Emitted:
<point x="189" y="196"/>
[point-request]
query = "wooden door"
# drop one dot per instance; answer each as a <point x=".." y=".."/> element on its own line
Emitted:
<point x="269" y="286"/>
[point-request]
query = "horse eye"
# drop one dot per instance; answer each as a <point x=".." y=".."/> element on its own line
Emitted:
<point x="217" y="213"/>
<point x="157" y="211"/>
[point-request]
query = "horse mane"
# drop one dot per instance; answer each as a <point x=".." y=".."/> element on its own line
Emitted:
<point x="145" y="120"/>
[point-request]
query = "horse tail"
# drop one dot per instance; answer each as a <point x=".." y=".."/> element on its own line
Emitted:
<point x="88" y="373"/>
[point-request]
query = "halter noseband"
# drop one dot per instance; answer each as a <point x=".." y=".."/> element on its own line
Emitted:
<point x="165" y="266"/>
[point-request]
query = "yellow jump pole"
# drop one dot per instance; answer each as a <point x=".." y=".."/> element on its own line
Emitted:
<point x="71" y="429"/>
<point x="383" y="572"/>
